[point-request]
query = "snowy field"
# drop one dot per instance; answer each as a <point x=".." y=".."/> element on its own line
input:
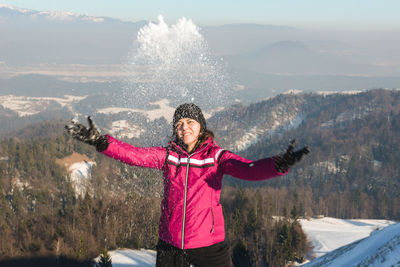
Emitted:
<point x="326" y="235"/>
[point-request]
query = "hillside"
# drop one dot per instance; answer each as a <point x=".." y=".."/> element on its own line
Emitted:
<point x="381" y="249"/>
<point x="354" y="139"/>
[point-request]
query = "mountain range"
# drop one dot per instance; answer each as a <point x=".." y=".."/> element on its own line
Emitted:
<point x="262" y="59"/>
<point x="345" y="131"/>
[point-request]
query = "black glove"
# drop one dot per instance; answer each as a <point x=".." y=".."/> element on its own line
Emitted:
<point x="89" y="135"/>
<point x="285" y="161"/>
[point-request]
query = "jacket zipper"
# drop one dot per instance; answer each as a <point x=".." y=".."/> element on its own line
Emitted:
<point x="212" y="214"/>
<point x="184" y="203"/>
<point x="185" y="199"/>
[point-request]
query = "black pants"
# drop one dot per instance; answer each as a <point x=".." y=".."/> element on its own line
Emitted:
<point x="216" y="255"/>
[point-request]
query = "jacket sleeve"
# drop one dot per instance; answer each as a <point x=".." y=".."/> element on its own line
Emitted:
<point x="149" y="157"/>
<point x="249" y="170"/>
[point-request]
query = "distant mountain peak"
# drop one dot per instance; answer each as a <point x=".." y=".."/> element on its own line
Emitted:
<point x="7" y="6"/>
<point x="50" y="15"/>
<point x="16" y="9"/>
<point x="67" y="16"/>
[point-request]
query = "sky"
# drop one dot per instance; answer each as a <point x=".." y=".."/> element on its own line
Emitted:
<point x="317" y="14"/>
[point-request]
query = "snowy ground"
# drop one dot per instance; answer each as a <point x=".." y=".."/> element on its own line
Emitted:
<point x="133" y="258"/>
<point x="80" y="173"/>
<point x="381" y="249"/>
<point x="327" y="234"/>
<point x="332" y="240"/>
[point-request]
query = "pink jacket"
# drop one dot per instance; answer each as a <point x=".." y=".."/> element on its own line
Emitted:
<point x="191" y="215"/>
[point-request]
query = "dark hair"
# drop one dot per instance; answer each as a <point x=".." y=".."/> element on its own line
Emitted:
<point x="203" y="136"/>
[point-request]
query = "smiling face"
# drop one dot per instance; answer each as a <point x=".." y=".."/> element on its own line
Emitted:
<point x="188" y="130"/>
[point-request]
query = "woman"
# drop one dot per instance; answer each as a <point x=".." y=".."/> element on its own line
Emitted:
<point x="191" y="228"/>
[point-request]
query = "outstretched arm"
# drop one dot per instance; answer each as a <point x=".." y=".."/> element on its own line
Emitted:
<point x="150" y="157"/>
<point x="262" y="169"/>
<point x="235" y="165"/>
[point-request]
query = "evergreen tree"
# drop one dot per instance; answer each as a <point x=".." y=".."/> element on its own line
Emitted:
<point x="105" y="259"/>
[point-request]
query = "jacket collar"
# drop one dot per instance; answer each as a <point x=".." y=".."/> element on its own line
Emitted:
<point x="180" y="150"/>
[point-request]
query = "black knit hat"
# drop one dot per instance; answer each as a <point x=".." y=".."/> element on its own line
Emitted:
<point x="190" y="110"/>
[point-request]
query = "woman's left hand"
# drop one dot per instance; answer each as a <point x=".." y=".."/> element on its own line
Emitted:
<point x="285" y="161"/>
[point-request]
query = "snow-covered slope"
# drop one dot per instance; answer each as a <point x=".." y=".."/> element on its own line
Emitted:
<point x="327" y="234"/>
<point x="381" y="249"/>
<point x="80" y="173"/>
<point x="80" y="169"/>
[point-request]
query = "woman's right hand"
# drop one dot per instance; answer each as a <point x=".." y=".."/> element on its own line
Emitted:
<point x="89" y="135"/>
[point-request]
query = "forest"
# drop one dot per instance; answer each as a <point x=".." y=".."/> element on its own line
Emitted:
<point x="42" y="215"/>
